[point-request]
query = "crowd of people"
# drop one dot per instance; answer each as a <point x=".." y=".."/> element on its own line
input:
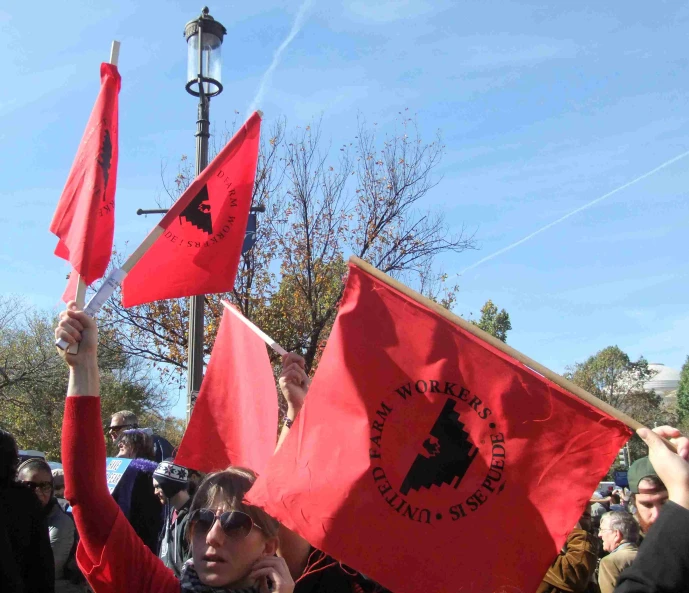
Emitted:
<point x="161" y="531"/>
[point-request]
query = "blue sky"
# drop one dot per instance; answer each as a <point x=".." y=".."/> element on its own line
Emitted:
<point x="543" y="107"/>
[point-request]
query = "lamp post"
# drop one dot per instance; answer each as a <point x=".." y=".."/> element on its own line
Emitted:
<point x="204" y="39"/>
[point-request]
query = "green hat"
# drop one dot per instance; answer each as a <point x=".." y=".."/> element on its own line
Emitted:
<point x="639" y="470"/>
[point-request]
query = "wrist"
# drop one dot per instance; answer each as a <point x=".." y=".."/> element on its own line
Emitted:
<point x="681" y="498"/>
<point x="84" y="379"/>
<point x="292" y="411"/>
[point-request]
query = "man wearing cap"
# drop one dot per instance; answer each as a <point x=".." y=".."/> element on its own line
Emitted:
<point x="171" y="483"/>
<point x="650" y="494"/>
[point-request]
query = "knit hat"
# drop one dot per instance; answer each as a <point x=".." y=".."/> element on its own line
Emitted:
<point x="172" y="478"/>
<point x="639" y="470"/>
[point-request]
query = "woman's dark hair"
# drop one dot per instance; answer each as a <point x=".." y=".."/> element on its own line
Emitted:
<point x="229" y="488"/>
<point x="615" y="498"/>
<point x="36" y="464"/>
<point x="9" y="458"/>
<point x="140" y="442"/>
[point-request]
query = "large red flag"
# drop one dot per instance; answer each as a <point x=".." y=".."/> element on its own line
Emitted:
<point x="428" y="459"/>
<point x="84" y="220"/>
<point x="235" y="418"/>
<point x="204" y="230"/>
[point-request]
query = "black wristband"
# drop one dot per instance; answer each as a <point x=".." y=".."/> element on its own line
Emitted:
<point x="288" y="422"/>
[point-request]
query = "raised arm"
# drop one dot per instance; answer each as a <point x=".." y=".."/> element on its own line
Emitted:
<point x="294" y="384"/>
<point x="110" y="554"/>
<point x="83" y="445"/>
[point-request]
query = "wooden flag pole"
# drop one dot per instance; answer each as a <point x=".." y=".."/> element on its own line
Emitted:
<point x="265" y="337"/>
<point x="80" y="297"/>
<point x="493" y="341"/>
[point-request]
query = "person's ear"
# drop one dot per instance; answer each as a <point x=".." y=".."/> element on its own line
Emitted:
<point x="271" y="546"/>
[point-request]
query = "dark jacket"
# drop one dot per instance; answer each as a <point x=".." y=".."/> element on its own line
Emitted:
<point x="571" y="572"/>
<point x="162" y="448"/>
<point x="174" y="548"/>
<point x="26" y="559"/>
<point x="134" y="494"/>
<point x="662" y="563"/>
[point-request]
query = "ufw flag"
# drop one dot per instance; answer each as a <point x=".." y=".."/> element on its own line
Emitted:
<point x="84" y="220"/>
<point x="428" y="459"/>
<point x="199" y="250"/>
<point x="235" y="418"/>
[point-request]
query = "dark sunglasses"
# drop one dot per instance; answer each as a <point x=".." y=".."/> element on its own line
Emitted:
<point x="42" y="486"/>
<point x="116" y="428"/>
<point x="234" y="523"/>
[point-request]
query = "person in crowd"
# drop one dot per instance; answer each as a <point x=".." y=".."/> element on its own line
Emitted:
<point x="135" y="444"/>
<point x="37" y="476"/>
<point x="573" y="569"/>
<point x="616" y="503"/>
<point x="123" y="420"/>
<point x="58" y="483"/>
<point x="171" y="485"/>
<point x="233" y="544"/>
<point x="662" y="563"/>
<point x="649" y="492"/>
<point x="134" y="492"/>
<point x="26" y="559"/>
<point x="599" y="506"/>
<point x="619" y="533"/>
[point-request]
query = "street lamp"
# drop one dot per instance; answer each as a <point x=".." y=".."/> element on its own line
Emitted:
<point x="204" y="59"/>
<point x="204" y="39"/>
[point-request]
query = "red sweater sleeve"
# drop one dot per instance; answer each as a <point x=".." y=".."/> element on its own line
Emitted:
<point x="110" y="554"/>
<point x="83" y="459"/>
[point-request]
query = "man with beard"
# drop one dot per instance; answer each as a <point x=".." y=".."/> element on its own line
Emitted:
<point x="650" y="494"/>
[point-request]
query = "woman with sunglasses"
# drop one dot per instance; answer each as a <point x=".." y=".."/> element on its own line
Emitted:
<point x="37" y="476"/>
<point x="26" y="561"/>
<point x="233" y="545"/>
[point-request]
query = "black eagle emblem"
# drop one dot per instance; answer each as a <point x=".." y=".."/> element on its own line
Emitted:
<point x="448" y="453"/>
<point x="198" y="212"/>
<point x="105" y="159"/>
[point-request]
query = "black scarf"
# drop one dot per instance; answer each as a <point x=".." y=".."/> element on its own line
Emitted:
<point x="192" y="584"/>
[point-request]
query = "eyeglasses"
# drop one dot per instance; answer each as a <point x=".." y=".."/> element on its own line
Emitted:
<point x="118" y="428"/>
<point x="44" y="487"/>
<point x="234" y="523"/>
<point x="606" y="529"/>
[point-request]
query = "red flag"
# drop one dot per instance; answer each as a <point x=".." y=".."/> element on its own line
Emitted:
<point x="70" y="293"/>
<point x="204" y="230"/>
<point x="84" y="220"/>
<point x="424" y="455"/>
<point x="235" y="418"/>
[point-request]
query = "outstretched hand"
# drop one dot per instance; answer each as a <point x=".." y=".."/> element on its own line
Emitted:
<point x="294" y="382"/>
<point x="76" y="327"/>
<point x="672" y="468"/>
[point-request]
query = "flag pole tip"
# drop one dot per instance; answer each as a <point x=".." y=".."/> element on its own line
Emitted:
<point x="260" y="113"/>
<point x="114" y="52"/>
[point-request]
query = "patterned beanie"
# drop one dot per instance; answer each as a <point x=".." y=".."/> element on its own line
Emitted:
<point x="172" y="478"/>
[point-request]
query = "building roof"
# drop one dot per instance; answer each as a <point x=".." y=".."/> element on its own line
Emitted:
<point x="665" y="381"/>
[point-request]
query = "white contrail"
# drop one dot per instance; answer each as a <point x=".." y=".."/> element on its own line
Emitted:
<point x="573" y="212"/>
<point x="296" y="27"/>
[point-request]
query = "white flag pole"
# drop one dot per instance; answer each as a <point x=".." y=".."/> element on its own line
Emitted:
<point x="265" y="337"/>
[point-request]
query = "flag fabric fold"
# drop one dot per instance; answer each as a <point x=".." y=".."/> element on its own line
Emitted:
<point x="235" y="418"/>
<point x="424" y="456"/>
<point x="84" y="220"/>
<point x="199" y="250"/>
